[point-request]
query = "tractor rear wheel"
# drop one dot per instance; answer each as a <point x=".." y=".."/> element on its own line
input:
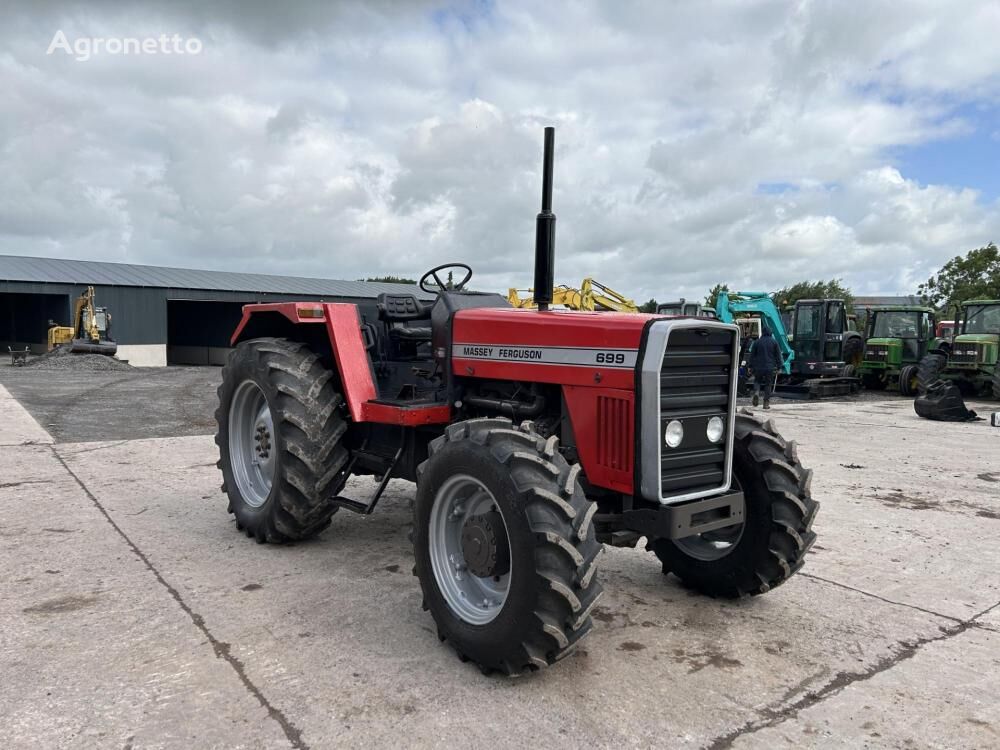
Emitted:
<point x="279" y="435"/>
<point x="504" y="544"/>
<point x="929" y="370"/>
<point x="770" y="545"/>
<point x="908" y="380"/>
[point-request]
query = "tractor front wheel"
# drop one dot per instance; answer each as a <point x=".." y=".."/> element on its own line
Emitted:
<point x="770" y="545"/>
<point x="908" y="380"/>
<point x="504" y="546"/>
<point x="279" y="435"/>
<point x="996" y="381"/>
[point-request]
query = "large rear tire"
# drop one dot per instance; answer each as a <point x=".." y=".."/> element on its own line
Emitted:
<point x="505" y="547"/>
<point x="929" y="370"/>
<point x="770" y="546"/>
<point x="279" y="435"/>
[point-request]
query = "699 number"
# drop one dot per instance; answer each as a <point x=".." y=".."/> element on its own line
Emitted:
<point x="610" y="358"/>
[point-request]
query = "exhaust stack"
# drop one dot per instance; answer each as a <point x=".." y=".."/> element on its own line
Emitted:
<point x="545" y="231"/>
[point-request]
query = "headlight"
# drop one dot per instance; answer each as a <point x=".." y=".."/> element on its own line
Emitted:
<point x="715" y="429"/>
<point x="674" y="433"/>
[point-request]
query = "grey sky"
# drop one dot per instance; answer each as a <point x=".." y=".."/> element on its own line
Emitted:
<point x="751" y="143"/>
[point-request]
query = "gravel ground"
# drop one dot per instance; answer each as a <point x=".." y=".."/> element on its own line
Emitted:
<point x="64" y="359"/>
<point x="135" y="402"/>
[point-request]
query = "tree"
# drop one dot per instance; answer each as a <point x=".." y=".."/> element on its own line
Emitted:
<point x="832" y="289"/>
<point x="713" y="294"/>
<point x="648" y="307"/>
<point x="975" y="276"/>
<point x="392" y="280"/>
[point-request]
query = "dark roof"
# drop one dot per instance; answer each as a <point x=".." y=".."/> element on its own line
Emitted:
<point x="864" y="301"/>
<point x="98" y="273"/>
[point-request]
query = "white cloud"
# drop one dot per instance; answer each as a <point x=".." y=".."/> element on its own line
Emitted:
<point x="349" y="140"/>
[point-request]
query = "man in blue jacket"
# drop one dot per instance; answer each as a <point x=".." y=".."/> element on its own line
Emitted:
<point x="765" y="360"/>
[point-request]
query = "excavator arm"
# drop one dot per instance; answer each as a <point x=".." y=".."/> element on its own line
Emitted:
<point x="606" y="298"/>
<point x="757" y="304"/>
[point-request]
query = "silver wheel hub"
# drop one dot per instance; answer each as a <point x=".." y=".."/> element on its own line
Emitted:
<point x="469" y="549"/>
<point x="251" y="443"/>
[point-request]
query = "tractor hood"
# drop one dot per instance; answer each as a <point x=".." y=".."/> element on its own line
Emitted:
<point x="978" y="338"/>
<point x="574" y="348"/>
<point x="887" y="342"/>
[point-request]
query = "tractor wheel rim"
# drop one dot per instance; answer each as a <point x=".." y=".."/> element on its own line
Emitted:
<point x="713" y="545"/>
<point x="251" y="443"/>
<point x="476" y="600"/>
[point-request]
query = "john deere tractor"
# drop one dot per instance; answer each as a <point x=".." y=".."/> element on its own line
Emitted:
<point x="897" y="339"/>
<point x="970" y="359"/>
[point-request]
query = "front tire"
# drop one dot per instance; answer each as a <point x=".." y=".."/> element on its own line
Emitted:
<point x="996" y="380"/>
<point x="279" y="435"/>
<point x="770" y="546"/>
<point x="908" y="380"/>
<point x="504" y="545"/>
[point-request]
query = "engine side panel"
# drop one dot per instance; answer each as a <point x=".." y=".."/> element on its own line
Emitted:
<point x="591" y="355"/>
<point x="557" y="346"/>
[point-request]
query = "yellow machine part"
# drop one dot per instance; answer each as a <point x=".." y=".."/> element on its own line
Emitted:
<point x="59" y="335"/>
<point x="592" y="295"/>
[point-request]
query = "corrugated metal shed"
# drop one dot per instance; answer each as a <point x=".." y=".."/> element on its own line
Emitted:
<point x="58" y="271"/>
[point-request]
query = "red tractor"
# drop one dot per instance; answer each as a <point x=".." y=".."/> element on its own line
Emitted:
<point x="534" y="437"/>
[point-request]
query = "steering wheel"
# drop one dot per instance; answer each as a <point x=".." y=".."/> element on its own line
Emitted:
<point x="441" y="285"/>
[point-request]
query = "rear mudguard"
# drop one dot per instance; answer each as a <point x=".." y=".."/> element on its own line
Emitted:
<point x="343" y="328"/>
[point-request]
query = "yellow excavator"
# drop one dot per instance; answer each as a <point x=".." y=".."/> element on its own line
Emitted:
<point x="91" y="329"/>
<point x="592" y="295"/>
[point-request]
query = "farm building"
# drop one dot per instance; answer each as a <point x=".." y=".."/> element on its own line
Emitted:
<point x="160" y="316"/>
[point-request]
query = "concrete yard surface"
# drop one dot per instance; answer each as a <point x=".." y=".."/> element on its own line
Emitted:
<point x="134" y="614"/>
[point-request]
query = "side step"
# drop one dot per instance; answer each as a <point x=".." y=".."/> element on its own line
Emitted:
<point x="366" y="508"/>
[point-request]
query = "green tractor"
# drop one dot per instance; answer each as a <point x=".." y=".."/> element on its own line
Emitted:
<point x="970" y="360"/>
<point x="897" y="338"/>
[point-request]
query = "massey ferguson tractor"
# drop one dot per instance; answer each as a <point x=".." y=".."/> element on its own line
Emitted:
<point x="534" y="436"/>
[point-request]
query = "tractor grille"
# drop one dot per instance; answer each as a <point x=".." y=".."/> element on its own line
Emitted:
<point x="694" y="387"/>
<point x="875" y="353"/>
<point x="966" y="354"/>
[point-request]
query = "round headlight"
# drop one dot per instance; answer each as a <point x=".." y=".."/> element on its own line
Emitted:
<point x="674" y="433"/>
<point x="715" y="429"/>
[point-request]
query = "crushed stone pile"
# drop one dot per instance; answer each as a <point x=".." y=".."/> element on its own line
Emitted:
<point x="63" y="359"/>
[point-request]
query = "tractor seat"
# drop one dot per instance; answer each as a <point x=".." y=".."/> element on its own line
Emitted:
<point x="410" y="333"/>
<point x="401" y="307"/>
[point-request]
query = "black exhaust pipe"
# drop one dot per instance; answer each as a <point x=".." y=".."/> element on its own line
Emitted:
<point x="545" y="231"/>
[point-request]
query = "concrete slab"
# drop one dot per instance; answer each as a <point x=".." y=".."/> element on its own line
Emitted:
<point x="906" y="503"/>
<point x="94" y="652"/>
<point x="18" y="427"/>
<point x="134" y="612"/>
<point x="333" y="633"/>
<point x="898" y="706"/>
